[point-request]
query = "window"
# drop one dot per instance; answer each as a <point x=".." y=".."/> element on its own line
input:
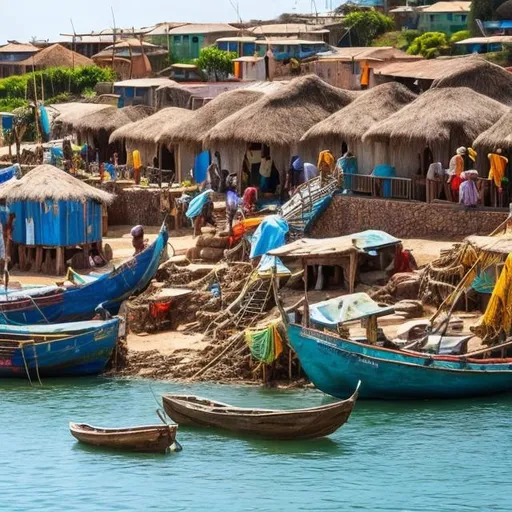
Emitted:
<point x="432" y="18"/>
<point x="177" y="39"/>
<point x="195" y="39"/>
<point x="449" y="16"/>
<point x="463" y="18"/>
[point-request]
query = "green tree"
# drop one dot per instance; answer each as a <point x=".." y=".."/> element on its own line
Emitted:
<point x="430" y="45"/>
<point x="22" y="121"/>
<point x="215" y="62"/>
<point x="366" y="25"/>
<point x="400" y="39"/>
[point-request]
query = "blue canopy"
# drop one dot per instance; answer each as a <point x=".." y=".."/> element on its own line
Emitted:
<point x="270" y="235"/>
<point x="10" y="172"/>
<point x="270" y="263"/>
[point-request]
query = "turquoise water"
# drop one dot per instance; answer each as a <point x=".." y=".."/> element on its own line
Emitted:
<point x="409" y="456"/>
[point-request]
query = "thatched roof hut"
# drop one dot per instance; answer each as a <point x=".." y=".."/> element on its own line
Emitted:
<point x="281" y="118"/>
<point x="112" y="118"/>
<point x="442" y="118"/>
<point x="70" y="113"/>
<point x="48" y="182"/>
<point x="349" y="124"/>
<point x="498" y="136"/>
<point x="193" y="129"/>
<point x="56" y="55"/>
<point x="481" y="76"/>
<point x="149" y="129"/>
<point x="144" y="134"/>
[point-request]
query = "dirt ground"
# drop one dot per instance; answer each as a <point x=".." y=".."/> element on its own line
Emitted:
<point x="167" y="343"/>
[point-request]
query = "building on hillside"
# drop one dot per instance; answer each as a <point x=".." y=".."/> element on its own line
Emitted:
<point x="483" y="44"/>
<point x="302" y="31"/>
<point x="353" y="67"/>
<point x="447" y="17"/>
<point x="11" y="54"/>
<point x="141" y="91"/>
<point x="159" y="34"/>
<point x="405" y="16"/>
<point x="243" y="46"/>
<point x="186" y="41"/>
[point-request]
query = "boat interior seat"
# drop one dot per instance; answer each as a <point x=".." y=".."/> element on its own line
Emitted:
<point x="447" y="345"/>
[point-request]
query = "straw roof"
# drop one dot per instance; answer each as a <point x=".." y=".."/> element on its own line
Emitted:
<point x="499" y="135"/>
<point x="282" y="117"/>
<point x="47" y="182"/>
<point x="439" y="116"/>
<point x="195" y="127"/>
<point x="15" y="47"/>
<point x="481" y="76"/>
<point x="148" y="130"/>
<point x="112" y="118"/>
<point x="73" y="112"/>
<point x="54" y="56"/>
<point x="355" y="119"/>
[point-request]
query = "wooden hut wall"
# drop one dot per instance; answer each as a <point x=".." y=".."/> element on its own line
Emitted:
<point x="184" y="162"/>
<point x="147" y="151"/>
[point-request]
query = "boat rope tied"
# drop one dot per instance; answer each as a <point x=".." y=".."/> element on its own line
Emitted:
<point x="266" y="345"/>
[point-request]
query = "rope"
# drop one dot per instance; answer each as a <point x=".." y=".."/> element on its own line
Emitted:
<point x="37" y="364"/>
<point x="25" y="363"/>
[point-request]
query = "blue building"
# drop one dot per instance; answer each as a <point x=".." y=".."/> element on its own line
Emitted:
<point x="54" y="212"/>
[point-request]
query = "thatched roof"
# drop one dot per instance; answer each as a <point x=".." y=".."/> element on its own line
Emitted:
<point x="355" y="119"/>
<point x="70" y="113"/>
<point x="193" y="129"/>
<point x="54" y="56"/>
<point x="439" y="116"/>
<point x="112" y="118"/>
<point x="48" y="182"/>
<point x="504" y="11"/>
<point x="281" y="118"/>
<point x="148" y="130"/>
<point x="481" y="76"/>
<point x="499" y="135"/>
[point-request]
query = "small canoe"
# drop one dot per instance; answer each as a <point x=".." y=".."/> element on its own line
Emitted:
<point x="293" y="424"/>
<point x="149" y="438"/>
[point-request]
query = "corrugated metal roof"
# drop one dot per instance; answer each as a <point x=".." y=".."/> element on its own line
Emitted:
<point x="288" y="28"/>
<point x="440" y="7"/>
<point x="202" y="28"/>
<point x="423" y="69"/>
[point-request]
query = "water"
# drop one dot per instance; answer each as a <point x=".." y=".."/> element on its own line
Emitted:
<point x="409" y="456"/>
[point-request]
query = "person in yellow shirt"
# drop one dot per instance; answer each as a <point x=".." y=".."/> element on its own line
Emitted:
<point x="498" y="169"/>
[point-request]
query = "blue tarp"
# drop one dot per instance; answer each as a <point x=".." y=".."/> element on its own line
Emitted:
<point x="7" y="120"/>
<point x="57" y="223"/>
<point x="270" y="235"/>
<point x="196" y="205"/>
<point x="373" y="239"/>
<point x="45" y="121"/>
<point x="385" y="171"/>
<point x="10" y="172"/>
<point x="201" y="165"/>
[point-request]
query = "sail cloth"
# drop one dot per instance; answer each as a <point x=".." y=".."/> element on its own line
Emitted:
<point x="347" y="308"/>
<point x="270" y="235"/>
<point x="266" y="345"/>
<point x="497" y="319"/>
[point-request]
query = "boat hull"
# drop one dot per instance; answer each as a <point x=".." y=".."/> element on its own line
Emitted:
<point x="149" y="439"/>
<point x="335" y="365"/>
<point x="79" y="302"/>
<point x="80" y="353"/>
<point x="285" y="425"/>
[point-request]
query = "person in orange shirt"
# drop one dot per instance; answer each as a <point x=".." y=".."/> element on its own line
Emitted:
<point x="498" y="169"/>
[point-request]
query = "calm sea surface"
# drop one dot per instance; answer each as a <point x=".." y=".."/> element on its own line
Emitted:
<point x="409" y="456"/>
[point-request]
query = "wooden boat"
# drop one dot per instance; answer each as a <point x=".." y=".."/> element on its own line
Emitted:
<point x="335" y="364"/>
<point x="49" y="304"/>
<point x="149" y="438"/>
<point x="58" y="350"/>
<point x="271" y="424"/>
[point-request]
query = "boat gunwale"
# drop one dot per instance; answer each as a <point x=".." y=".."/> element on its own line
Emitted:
<point x="102" y="431"/>
<point x="409" y="354"/>
<point x="259" y="413"/>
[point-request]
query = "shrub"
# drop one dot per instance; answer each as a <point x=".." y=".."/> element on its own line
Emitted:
<point x="430" y="45"/>
<point x="215" y="62"/>
<point x="400" y="39"/>
<point x="459" y="36"/>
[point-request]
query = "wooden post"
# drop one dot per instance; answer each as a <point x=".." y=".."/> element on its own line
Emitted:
<point x="371" y="329"/>
<point x="352" y="271"/>
<point x="60" y="264"/>
<point x="39" y="259"/>
<point x="305" y="320"/>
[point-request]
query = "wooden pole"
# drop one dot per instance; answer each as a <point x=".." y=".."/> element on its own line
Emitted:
<point x="305" y="320"/>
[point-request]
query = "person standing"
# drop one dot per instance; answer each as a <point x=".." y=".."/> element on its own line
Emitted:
<point x="497" y="173"/>
<point x="136" y="166"/>
<point x="456" y="168"/>
<point x="468" y="193"/>
<point x="232" y="202"/>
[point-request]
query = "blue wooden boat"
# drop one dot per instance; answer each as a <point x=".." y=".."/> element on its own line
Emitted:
<point x="335" y="365"/>
<point x="78" y="302"/>
<point x="59" y="350"/>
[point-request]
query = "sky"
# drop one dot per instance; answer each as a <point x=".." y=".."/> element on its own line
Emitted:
<point x="22" y="20"/>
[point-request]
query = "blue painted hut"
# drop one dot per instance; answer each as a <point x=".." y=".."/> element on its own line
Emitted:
<point x="55" y="213"/>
